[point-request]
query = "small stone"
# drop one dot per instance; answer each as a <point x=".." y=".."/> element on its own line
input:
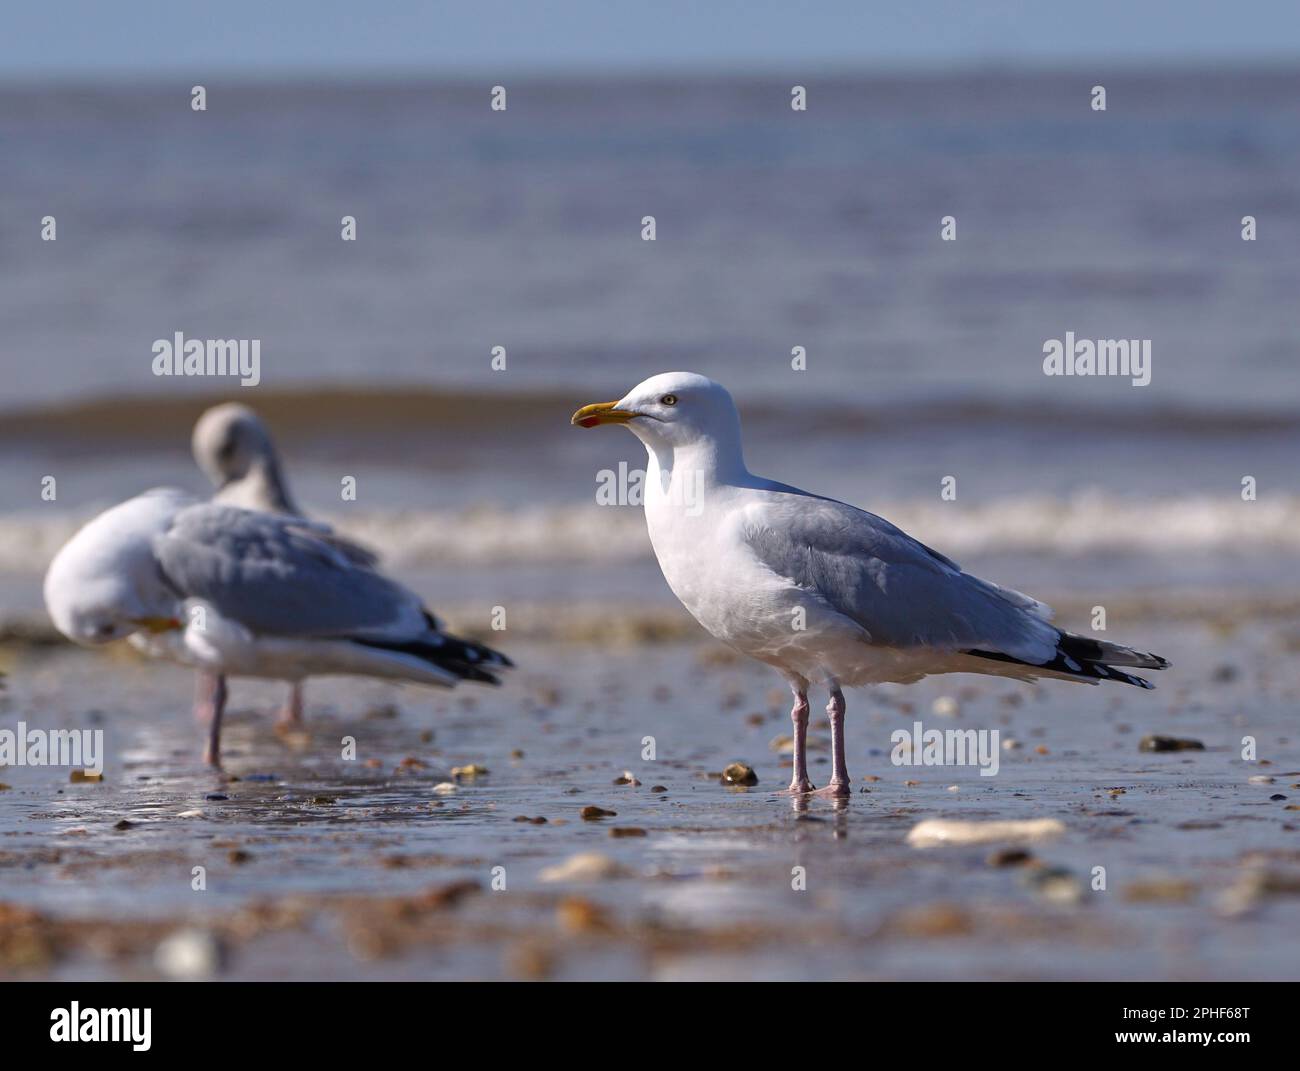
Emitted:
<point x="658" y="788"/>
<point x="469" y="773"/>
<point x="215" y="796"/>
<point x="627" y="831"/>
<point x="1055" y="884"/>
<point x="323" y="801"/>
<point x="1169" y="743"/>
<point x="1010" y="857"/>
<point x="578" y="915"/>
<point x="592" y="813"/>
<point x="585" y="866"/>
<point x="739" y="774"/>
<point x="954" y="788"/>
<point x="1161" y="890"/>
<point x="1041" y="749"/>
<point x="945" y="707"/>
<point x="444" y="788"/>
<point x="238" y="855"/>
<point x="1260" y="779"/>
<point x="124" y="824"/>
<point x="627" y="778"/>
<point x="190" y="814"/>
<point x="1011" y="745"/>
<point x="4" y="787"/>
<point x="1277" y="797"/>
<point x="933" y="832"/>
<point x="82" y="776"/>
<point x="190" y="955"/>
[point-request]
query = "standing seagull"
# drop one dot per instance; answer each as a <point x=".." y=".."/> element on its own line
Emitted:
<point x="248" y="594"/>
<point x="234" y="449"/>
<point x="825" y="592"/>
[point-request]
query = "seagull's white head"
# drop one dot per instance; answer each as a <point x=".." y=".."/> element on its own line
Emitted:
<point x="228" y="441"/>
<point x="672" y="409"/>
<point x="105" y="582"/>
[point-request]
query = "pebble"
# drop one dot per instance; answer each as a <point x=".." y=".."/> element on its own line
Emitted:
<point x="1260" y="779"/>
<point x="1169" y="743"/>
<point x="215" y="796"/>
<point x="739" y="774"/>
<point x="1160" y="890"/>
<point x="578" y="915"/>
<point x="1055" y="884"/>
<point x="444" y="788"/>
<point x="124" y="824"/>
<point x="626" y="778"/>
<point x="945" y="707"/>
<point x="627" y="831"/>
<point x="658" y="788"/>
<point x="585" y="866"/>
<point x="538" y="821"/>
<point x="943" y="831"/>
<point x="190" y="955"/>
<point x="238" y="855"/>
<point x="1010" y="857"/>
<point x="593" y="813"/>
<point x="468" y="773"/>
<point x="79" y="776"/>
<point x="190" y="814"/>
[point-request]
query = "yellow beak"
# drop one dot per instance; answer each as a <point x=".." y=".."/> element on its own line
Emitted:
<point x="600" y="413"/>
<point x="156" y="624"/>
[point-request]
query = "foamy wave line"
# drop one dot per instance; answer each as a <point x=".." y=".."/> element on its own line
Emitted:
<point x="1086" y="523"/>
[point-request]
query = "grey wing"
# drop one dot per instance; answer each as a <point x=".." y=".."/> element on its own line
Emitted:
<point x="902" y="593"/>
<point x="282" y="576"/>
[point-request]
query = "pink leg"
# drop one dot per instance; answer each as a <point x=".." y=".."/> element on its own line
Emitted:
<point x="799" y="782"/>
<point x="291" y="712"/>
<point x="209" y="704"/>
<point x="839" y="786"/>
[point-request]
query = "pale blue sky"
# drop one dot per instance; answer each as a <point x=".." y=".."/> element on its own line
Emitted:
<point x="438" y="38"/>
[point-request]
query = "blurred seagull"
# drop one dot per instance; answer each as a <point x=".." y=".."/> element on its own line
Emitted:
<point x="246" y="593"/>
<point x="234" y="449"/>
<point x="824" y="592"/>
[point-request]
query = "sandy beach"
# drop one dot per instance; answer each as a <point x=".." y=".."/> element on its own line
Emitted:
<point x="454" y="846"/>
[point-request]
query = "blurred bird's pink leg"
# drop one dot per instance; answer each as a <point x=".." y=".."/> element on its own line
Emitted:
<point x="799" y="782"/>
<point x="291" y="712"/>
<point x="209" y="704"/>
<point x="839" y="786"/>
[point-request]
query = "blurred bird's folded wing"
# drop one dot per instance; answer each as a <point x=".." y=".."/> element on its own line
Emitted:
<point x="283" y="576"/>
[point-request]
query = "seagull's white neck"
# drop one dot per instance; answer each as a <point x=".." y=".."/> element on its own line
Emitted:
<point x="698" y="465"/>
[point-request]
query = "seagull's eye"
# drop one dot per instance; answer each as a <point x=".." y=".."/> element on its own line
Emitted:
<point x="668" y="399"/>
<point x="227" y="450"/>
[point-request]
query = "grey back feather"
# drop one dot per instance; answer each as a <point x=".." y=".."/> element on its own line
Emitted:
<point x="902" y="593"/>
<point x="283" y="576"/>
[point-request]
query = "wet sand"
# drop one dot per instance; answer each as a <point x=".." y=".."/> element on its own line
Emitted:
<point x="322" y="868"/>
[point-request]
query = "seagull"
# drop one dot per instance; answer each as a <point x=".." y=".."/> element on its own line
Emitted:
<point x="234" y="449"/>
<point x="826" y="593"/>
<point x="246" y="593"/>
